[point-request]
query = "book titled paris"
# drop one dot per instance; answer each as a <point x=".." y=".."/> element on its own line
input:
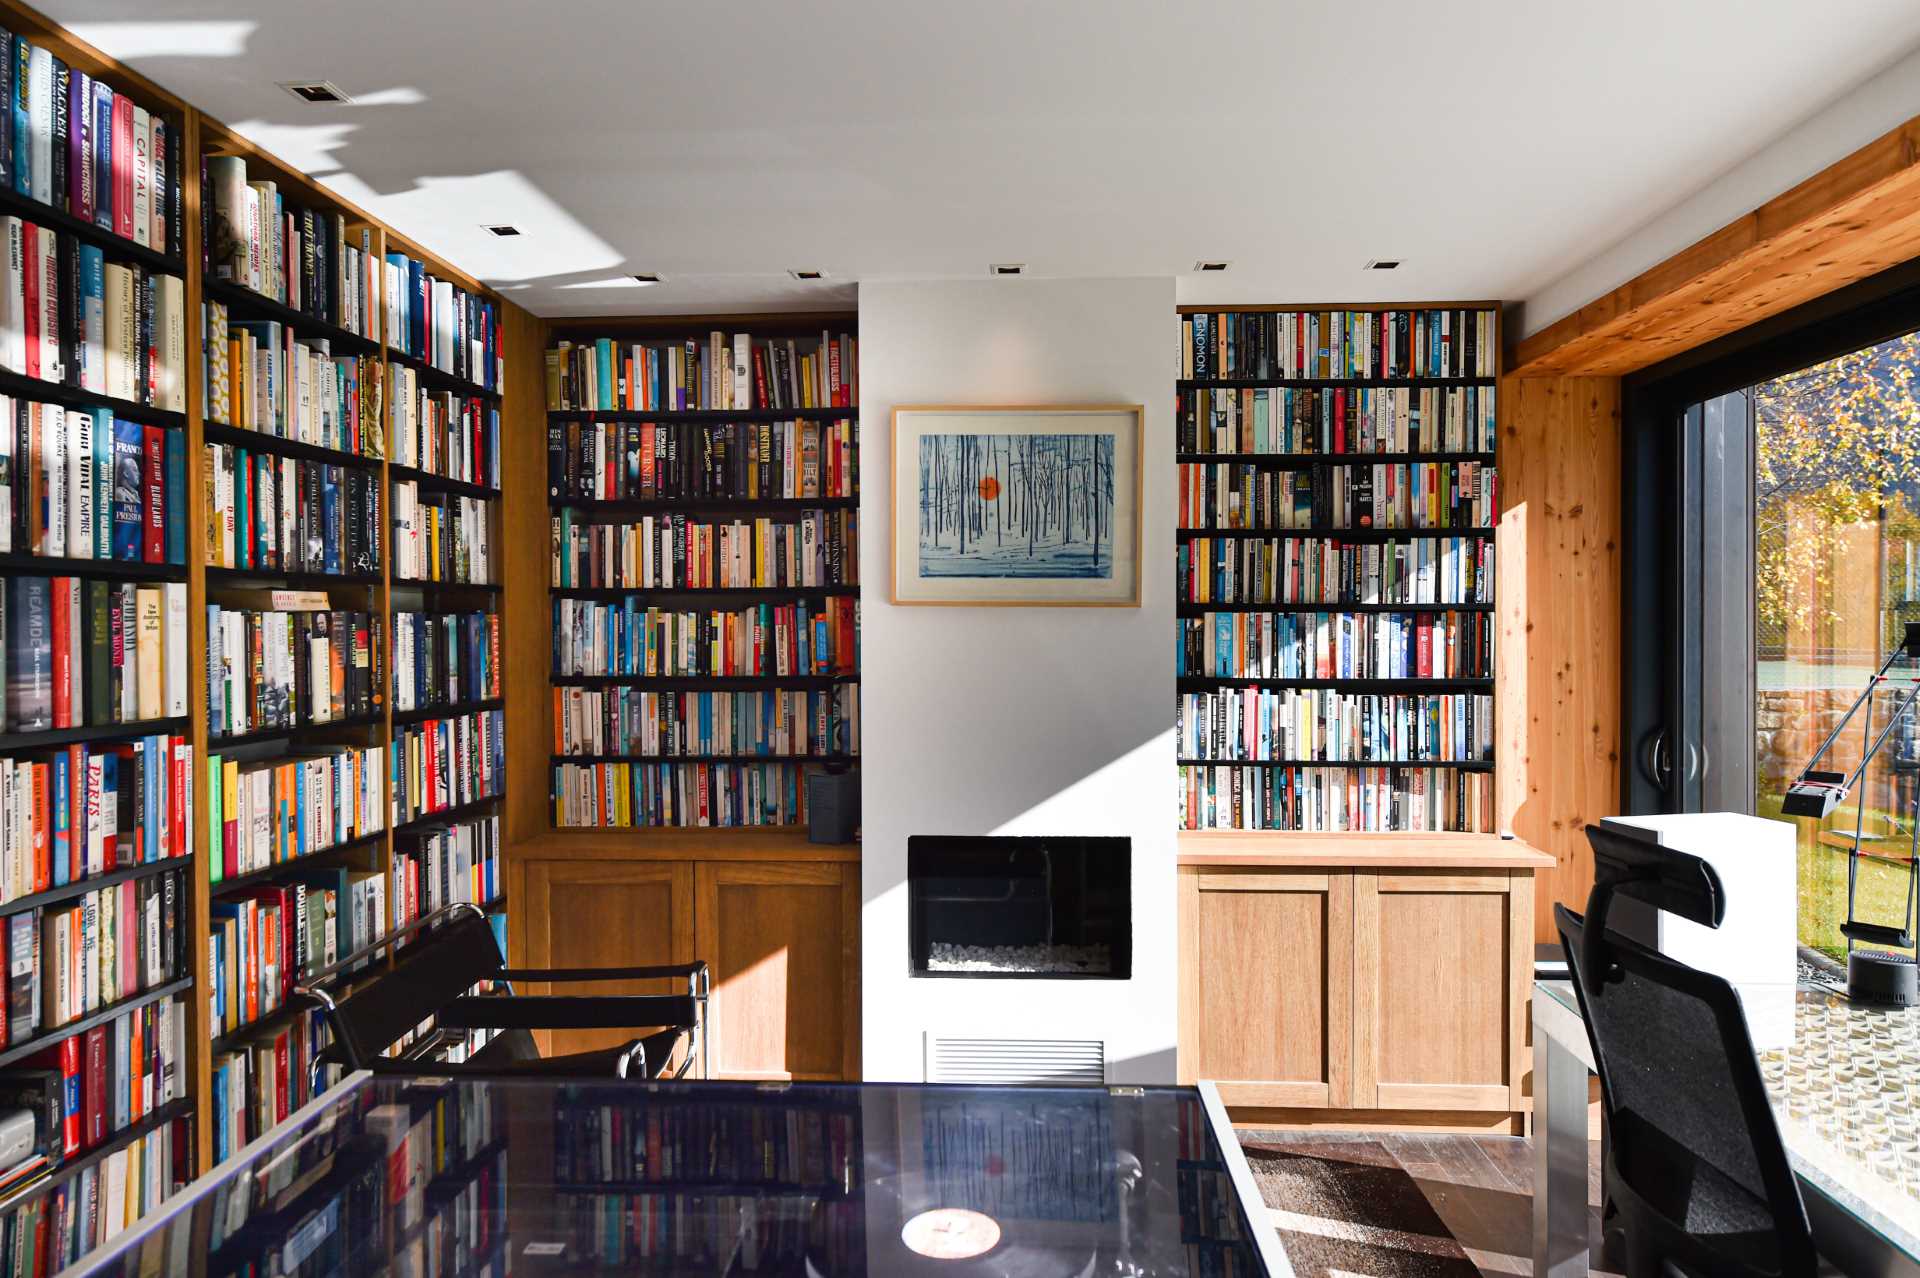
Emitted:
<point x="1019" y="506"/>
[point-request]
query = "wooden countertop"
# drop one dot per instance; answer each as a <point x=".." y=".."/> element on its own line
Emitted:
<point x="746" y="843"/>
<point x="1258" y="848"/>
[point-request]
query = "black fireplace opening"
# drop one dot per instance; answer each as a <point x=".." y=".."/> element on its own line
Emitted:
<point x="1035" y="907"/>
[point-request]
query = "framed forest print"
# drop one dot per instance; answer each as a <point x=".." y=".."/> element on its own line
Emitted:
<point x="1033" y="506"/>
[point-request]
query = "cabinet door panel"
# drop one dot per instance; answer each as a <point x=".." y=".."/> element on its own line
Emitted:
<point x="606" y="914"/>
<point x="1433" y="991"/>
<point x="1266" y="996"/>
<point x="782" y="940"/>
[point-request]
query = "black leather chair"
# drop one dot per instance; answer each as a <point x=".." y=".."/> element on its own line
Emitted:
<point x="444" y="959"/>
<point x="1696" y="1176"/>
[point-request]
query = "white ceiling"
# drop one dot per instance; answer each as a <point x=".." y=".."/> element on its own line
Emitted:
<point x="1489" y="144"/>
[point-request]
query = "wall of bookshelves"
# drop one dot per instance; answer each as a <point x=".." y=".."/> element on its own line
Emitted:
<point x="703" y="569"/>
<point x="1338" y="490"/>
<point x="251" y="451"/>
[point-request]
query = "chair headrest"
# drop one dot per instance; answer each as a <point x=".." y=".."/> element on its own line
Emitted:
<point x="1631" y="861"/>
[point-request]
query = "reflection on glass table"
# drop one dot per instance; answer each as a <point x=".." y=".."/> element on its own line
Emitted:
<point x="391" y="1176"/>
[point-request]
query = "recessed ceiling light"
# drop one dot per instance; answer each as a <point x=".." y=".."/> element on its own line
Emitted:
<point x="645" y="277"/>
<point x="502" y="229"/>
<point x="1382" y="264"/>
<point x="1210" y="266"/>
<point x="808" y="276"/>
<point x="315" y="90"/>
<point x="1007" y="268"/>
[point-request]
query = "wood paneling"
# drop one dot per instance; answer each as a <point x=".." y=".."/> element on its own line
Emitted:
<point x="783" y="943"/>
<point x="1434" y="979"/>
<point x="525" y="531"/>
<point x="1849" y="221"/>
<point x="598" y="914"/>
<point x="1280" y="942"/>
<point x="1557" y="698"/>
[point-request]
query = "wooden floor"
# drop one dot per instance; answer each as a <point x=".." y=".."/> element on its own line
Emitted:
<point x="1481" y="1187"/>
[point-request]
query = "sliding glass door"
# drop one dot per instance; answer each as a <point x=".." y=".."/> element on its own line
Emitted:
<point x="1773" y="498"/>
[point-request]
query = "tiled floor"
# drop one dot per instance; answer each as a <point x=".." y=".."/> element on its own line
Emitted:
<point x="1480" y="1186"/>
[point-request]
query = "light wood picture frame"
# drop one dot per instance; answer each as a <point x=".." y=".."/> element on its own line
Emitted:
<point x="1019" y="505"/>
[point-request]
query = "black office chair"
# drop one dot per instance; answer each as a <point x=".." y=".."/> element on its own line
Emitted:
<point x="446" y="955"/>
<point x="1696" y="1175"/>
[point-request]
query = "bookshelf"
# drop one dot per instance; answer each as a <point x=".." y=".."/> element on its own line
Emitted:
<point x="1338" y="494"/>
<point x="407" y="369"/>
<point x="97" y="738"/>
<point x="702" y="503"/>
<point x="354" y="343"/>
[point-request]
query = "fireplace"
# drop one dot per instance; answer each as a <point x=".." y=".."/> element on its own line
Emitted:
<point x="1045" y="908"/>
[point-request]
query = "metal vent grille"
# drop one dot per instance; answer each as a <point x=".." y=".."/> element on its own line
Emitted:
<point x="1013" y="1061"/>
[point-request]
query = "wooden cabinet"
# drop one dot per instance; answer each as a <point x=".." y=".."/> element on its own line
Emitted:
<point x="1442" y="965"/>
<point x="1341" y="981"/>
<point x="1280" y="941"/>
<point x="781" y="938"/>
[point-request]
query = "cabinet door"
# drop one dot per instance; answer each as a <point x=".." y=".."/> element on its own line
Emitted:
<point x="1266" y="1004"/>
<point x="606" y="914"/>
<point x="1440" y="961"/>
<point x="783" y="942"/>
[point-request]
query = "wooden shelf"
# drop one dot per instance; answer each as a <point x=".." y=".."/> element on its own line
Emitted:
<point x="767" y="594"/>
<point x="1351" y="536"/>
<point x="271" y="579"/>
<point x="1462" y="765"/>
<point x="420" y="714"/>
<point x="1197" y="683"/>
<point x="245" y="304"/>
<point x="100" y="1016"/>
<point x="1404" y="850"/>
<point x="261" y="442"/>
<point x="441" y="483"/>
<point x="446" y="816"/>
<point x="713" y="416"/>
<point x="669" y="843"/>
<point x="224" y="743"/>
<point x="697" y="682"/>
<point x="117" y="248"/>
<point x="17" y="742"/>
<point x="1187" y="608"/>
<point x="115" y="1141"/>
<point x="603" y="510"/>
<point x="439" y="379"/>
<point x="19" y="563"/>
<point x="322" y="859"/>
<point x="1303" y="461"/>
<point x="1200" y="610"/>
<point x="840" y="760"/>
<point x="1331" y="383"/>
<point x="21" y="386"/>
<point x="93" y="883"/>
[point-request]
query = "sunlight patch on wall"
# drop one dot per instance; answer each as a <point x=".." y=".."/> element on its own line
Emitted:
<point x="1067" y="809"/>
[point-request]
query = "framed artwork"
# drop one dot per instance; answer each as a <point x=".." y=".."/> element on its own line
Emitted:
<point x="1023" y="506"/>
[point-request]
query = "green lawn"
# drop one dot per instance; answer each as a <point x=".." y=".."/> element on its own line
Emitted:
<point x="1823" y="888"/>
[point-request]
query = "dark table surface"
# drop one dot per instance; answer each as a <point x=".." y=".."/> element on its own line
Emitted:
<point x="536" y="1177"/>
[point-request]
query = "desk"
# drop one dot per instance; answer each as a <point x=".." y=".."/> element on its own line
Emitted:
<point x="398" y="1176"/>
<point x="1847" y="1098"/>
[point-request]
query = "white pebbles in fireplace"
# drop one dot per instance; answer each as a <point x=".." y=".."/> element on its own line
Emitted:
<point x="1080" y="960"/>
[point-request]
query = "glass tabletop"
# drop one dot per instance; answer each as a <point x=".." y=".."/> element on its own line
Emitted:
<point x="402" y="1177"/>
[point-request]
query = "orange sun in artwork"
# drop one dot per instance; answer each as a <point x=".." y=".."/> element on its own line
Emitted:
<point x="989" y="488"/>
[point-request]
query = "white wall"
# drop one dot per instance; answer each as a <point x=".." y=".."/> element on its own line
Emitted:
<point x="1017" y="720"/>
<point x="1843" y="126"/>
